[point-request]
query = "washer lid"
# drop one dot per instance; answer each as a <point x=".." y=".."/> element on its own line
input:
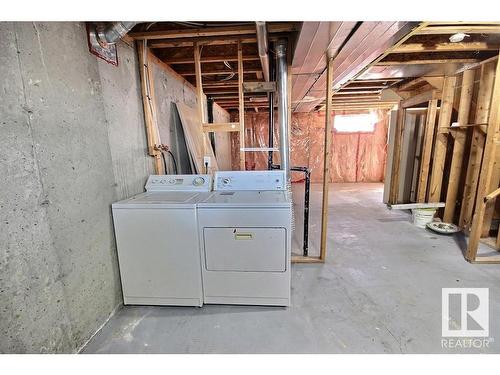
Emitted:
<point x="246" y="199"/>
<point x="159" y="199"/>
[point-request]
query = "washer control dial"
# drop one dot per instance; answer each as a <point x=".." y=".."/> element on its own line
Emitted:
<point x="198" y="181"/>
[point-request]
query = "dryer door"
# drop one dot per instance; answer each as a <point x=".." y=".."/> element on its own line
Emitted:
<point x="245" y="249"/>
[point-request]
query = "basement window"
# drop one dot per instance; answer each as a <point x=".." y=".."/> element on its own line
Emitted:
<point x="360" y="123"/>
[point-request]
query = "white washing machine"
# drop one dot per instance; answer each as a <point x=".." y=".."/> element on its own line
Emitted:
<point x="245" y="239"/>
<point x="157" y="242"/>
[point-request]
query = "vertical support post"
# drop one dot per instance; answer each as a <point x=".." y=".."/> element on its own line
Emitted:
<point x="396" y="159"/>
<point x="326" y="158"/>
<point x="149" y="106"/>
<point x="459" y="145"/>
<point x="487" y="168"/>
<point x="430" y="126"/>
<point x="241" y="106"/>
<point x="444" y="123"/>
<point x="199" y="90"/>
<point x="477" y="145"/>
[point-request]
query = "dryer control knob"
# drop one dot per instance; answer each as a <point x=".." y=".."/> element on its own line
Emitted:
<point x="226" y="180"/>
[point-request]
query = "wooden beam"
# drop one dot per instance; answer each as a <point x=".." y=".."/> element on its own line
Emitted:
<point x="209" y="41"/>
<point x="199" y="90"/>
<point x="480" y="29"/>
<point x="430" y="126"/>
<point x="222" y="31"/>
<point x="427" y="61"/>
<point x="423" y="97"/>
<point x="241" y="107"/>
<point x="303" y="259"/>
<point x="492" y="195"/>
<point x="411" y="206"/>
<point x="207" y="59"/>
<point x="436" y="82"/>
<point x="218" y="72"/>
<point x="396" y="159"/>
<point x="446" y="47"/>
<point x="221" y="127"/>
<point x="326" y="158"/>
<point x="459" y="146"/>
<point x="477" y="145"/>
<point x="487" y="169"/>
<point x="253" y="87"/>
<point x="440" y="147"/>
<point x="149" y="106"/>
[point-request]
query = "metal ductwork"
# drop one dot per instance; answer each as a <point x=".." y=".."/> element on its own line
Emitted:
<point x="109" y="33"/>
<point x="263" y="48"/>
<point x="282" y="93"/>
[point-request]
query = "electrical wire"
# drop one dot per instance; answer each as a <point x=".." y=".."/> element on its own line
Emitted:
<point x="164" y="163"/>
<point x="173" y="161"/>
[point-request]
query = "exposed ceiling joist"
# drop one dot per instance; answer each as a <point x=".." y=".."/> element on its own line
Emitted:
<point x="208" y="59"/>
<point x="218" y="72"/>
<point x="426" y="61"/>
<point x="446" y="47"/>
<point x="453" y="29"/>
<point x="223" y="31"/>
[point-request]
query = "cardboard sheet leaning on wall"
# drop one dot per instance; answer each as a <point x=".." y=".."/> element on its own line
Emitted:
<point x="197" y="141"/>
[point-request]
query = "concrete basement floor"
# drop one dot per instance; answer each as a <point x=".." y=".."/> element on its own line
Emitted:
<point x="379" y="292"/>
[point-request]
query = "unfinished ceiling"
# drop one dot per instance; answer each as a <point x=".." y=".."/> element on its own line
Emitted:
<point x="368" y="57"/>
<point x="173" y="43"/>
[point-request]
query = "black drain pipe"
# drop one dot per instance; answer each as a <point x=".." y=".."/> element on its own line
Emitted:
<point x="307" y="188"/>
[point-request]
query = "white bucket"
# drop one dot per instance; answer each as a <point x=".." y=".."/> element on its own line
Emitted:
<point x="422" y="216"/>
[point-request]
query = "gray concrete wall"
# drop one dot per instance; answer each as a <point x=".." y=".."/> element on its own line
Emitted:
<point x="71" y="142"/>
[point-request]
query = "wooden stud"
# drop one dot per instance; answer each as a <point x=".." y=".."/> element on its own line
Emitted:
<point x="326" y="158"/>
<point x="459" y="145"/>
<point x="221" y="127"/>
<point x="429" y="130"/>
<point x="440" y="146"/>
<point x="241" y="106"/>
<point x="199" y="90"/>
<point x="396" y="158"/>
<point x="487" y="168"/>
<point x="477" y="145"/>
<point x="149" y="106"/>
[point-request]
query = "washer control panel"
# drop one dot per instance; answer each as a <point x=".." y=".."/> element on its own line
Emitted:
<point x="179" y="182"/>
<point x="249" y="180"/>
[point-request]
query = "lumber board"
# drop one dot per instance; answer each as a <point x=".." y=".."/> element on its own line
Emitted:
<point x="487" y="168"/>
<point x="459" y="145"/>
<point x="423" y="97"/>
<point x="446" y="47"/>
<point x="149" y="106"/>
<point x="477" y="145"/>
<point x="252" y="87"/>
<point x="308" y="259"/>
<point x="326" y="158"/>
<point x="241" y="106"/>
<point x="396" y="159"/>
<point x="440" y="146"/>
<point x="221" y="127"/>
<point x="410" y="206"/>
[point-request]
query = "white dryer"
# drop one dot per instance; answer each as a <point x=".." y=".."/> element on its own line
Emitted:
<point x="157" y="242"/>
<point x="245" y="239"/>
